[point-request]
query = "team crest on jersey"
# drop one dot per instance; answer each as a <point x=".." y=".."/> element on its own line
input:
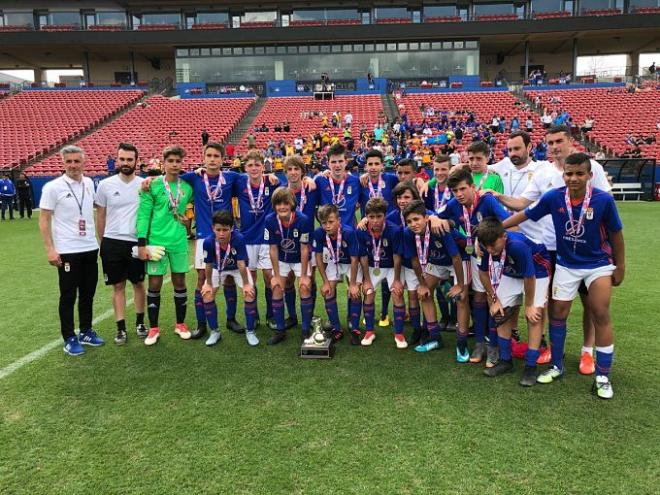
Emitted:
<point x="385" y="242"/>
<point x="530" y="175"/>
<point x="509" y="259"/>
<point x="590" y="214"/>
<point x="438" y="244"/>
<point x="233" y="251"/>
<point x="343" y="244"/>
<point x="348" y="190"/>
<point x="266" y="235"/>
<point x="266" y="192"/>
<point x="480" y="217"/>
<point x="295" y="233"/>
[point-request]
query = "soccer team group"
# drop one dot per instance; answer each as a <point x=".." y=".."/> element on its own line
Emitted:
<point x="480" y="240"/>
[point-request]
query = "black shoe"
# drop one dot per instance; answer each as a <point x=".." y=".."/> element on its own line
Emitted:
<point x="235" y="326"/>
<point x="276" y="338"/>
<point x="290" y="322"/>
<point x="141" y="331"/>
<point x="356" y="337"/>
<point x="327" y="327"/>
<point x="415" y="337"/>
<point x="499" y="369"/>
<point x="337" y="335"/>
<point x="529" y="377"/>
<point x="272" y="324"/>
<point x="120" y="338"/>
<point x="199" y="332"/>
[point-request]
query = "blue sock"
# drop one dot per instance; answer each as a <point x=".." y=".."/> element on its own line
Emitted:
<point x="199" y="309"/>
<point x="531" y="356"/>
<point x="211" y="312"/>
<point x="333" y="313"/>
<point x="384" y="299"/>
<point x="269" y="303"/>
<point x="369" y="316"/>
<point x="557" y="340"/>
<point x="230" y="301"/>
<point x="604" y="357"/>
<point x="356" y="309"/>
<point x="453" y="311"/>
<point x="492" y="333"/>
<point x="313" y="296"/>
<point x="251" y="315"/>
<point x="414" y="317"/>
<point x="479" y="319"/>
<point x="399" y="315"/>
<point x="290" y="298"/>
<point x="442" y="302"/>
<point x="434" y="330"/>
<point x="505" y="348"/>
<point x="307" y="310"/>
<point x="461" y="339"/>
<point x="278" y="312"/>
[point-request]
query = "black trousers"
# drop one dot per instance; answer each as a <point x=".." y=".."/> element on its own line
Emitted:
<point x="25" y="204"/>
<point x="78" y="276"/>
<point x="7" y="202"/>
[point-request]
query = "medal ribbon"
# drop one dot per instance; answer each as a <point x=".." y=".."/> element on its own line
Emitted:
<point x="467" y="223"/>
<point x="376" y="193"/>
<point x="575" y="229"/>
<point x="441" y="204"/>
<point x="254" y="204"/>
<point x="376" y="248"/>
<point x="288" y="228"/>
<point x="221" y="267"/>
<point x="334" y="256"/>
<point x="481" y="182"/>
<point x="495" y="272"/>
<point x="340" y="194"/>
<point x="217" y="192"/>
<point x="423" y="250"/>
<point x="174" y="202"/>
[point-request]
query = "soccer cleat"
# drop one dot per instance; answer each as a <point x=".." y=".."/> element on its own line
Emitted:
<point x="181" y="329"/>
<point x="587" y="364"/>
<point x="400" y="341"/>
<point x="72" y="347"/>
<point x="337" y="335"/>
<point x="545" y="356"/>
<point x="120" y="338"/>
<point x="356" y="337"/>
<point x="384" y="321"/>
<point x="141" y="331"/>
<point x="290" y="322"/>
<point x="429" y="346"/>
<point x="251" y="338"/>
<point x="235" y="326"/>
<point x="478" y="353"/>
<point x="271" y="323"/>
<point x="529" y="377"/>
<point x="499" y="369"/>
<point x="415" y="337"/>
<point x="276" y="338"/>
<point x="603" y="387"/>
<point x="90" y="338"/>
<point x="462" y="357"/>
<point x="214" y="338"/>
<point x="152" y="336"/>
<point x="198" y="333"/>
<point x="492" y="355"/>
<point x="368" y="338"/>
<point x="550" y="375"/>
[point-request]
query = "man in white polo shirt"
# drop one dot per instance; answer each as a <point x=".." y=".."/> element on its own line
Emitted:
<point x="66" y="223"/>
<point x="117" y="200"/>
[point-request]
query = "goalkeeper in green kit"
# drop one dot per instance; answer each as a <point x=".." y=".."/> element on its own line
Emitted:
<point x="162" y="240"/>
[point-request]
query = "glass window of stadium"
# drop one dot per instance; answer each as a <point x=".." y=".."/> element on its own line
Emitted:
<point x="308" y="15"/>
<point x="597" y="4"/>
<point x="547" y="5"/>
<point x="493" y="8"/>
<point x="212" y="18"/>
<point x="64" y="18"/>
<point x="266" y="16"/>
<point x="392" y="13"/>
<point x="439" y="11"/>
<point x="643" y="3"/>
<point x="341" y="14"/>
<point x="111" y="18"/>
<point x="19" y="19"/>
<point x="164" y="18"/>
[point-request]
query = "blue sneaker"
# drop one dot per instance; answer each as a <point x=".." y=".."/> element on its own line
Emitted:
<point x="431" y="345"/>
<point x="90" y="338"/>
<point x="462" y="357"/>
<point x="72" y="347"/>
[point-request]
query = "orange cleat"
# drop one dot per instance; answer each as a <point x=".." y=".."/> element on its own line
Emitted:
<point x="587" y="364"/>
<point x="545" y="356"/>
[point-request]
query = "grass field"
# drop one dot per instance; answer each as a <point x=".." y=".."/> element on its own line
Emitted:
<point x="180" y="418"/>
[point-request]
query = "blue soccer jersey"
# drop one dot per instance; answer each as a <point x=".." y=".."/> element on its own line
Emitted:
<point x="589" y="247"/>
<point x="330" y="192"/>
<point x="382" y="188"/>
<point x="524" y="258"/>
<point x="443" y="199"/>
<point x="441" y="248"/>
<point x="253" y="209"/>
<point x="388" y="245"/>
<point x="228" y="260"/>
<point x="288" y="242"/>
<point x="208" y="201"/>
<point x="308" y="202"/>
<point x="349" y="245"/>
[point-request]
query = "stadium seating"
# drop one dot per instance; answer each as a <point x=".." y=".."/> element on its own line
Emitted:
<point x="365" y="109"/>
<point x="158" y="27"/>
<point x="343" y="22"/>
<point x="161" y="122"/>
<point x="443" y="18"/>
<point x="35" y="122"/>
<point x="210" y="25"/>
<point x="394" y="20"/>
<point x="258" y="24"/>
<point x="484" y="104"/>
<point x="616" y="113"/>
<point x="13" y="29"/>
<point x="552" y="15"/>
<point x="310" y="22"/>
<point x="601" y="12"/>
<point x="497" y="17"/>
<point x="60" y="28"/>
<point x="646" y="10"/>
<point x="107" y="27"/>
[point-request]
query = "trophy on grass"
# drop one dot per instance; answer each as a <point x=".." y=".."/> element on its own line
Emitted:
<point x="318" y="345"/>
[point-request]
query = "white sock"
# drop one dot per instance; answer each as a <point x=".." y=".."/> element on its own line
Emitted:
<point x="590" y="350"/>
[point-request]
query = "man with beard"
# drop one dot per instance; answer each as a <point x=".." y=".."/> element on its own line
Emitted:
<point x="117" y="200"/>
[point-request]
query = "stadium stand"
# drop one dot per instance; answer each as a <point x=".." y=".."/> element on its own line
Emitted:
<point x="443" y="18"/>
<point x="153" y="126"/>
<point x="364" y="109"/>
<point x="552" y="15"/>
<point x="497" y="17"/>
<point x="108" y="27"/>
<point x="343" y="22"/>
<point x="158" y="27"/>
<point x="617" y="114"/>
<point x="258" y="24"/>
<point x="33" y="123"/>
<point x="394" y="20"/>
<point x="601" y="12"/>
<point x="210" y="25"/>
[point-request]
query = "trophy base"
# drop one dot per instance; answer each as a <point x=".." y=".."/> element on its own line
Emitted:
<point x="317" y="351"/>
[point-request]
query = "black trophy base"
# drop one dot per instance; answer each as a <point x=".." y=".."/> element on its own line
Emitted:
<point x="315" y="351"/>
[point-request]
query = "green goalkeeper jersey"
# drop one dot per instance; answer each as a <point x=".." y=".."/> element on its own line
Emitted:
<point x="492" y="182"/>
<point x="157" y="221"/>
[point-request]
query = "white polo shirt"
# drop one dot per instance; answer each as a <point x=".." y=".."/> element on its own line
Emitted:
<point x="66" y="197"/>
<point x="120" y="200"/>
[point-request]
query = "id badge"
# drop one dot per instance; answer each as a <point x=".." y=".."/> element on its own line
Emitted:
<point x="82" y="227"/>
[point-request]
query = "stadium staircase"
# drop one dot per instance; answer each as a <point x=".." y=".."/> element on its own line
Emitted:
<point x="246" y="122"/>
<point x="389" y="106"/>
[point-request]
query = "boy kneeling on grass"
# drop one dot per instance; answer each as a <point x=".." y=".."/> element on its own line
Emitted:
<point x="513" y="265"/>
<point x="225" y="256"/>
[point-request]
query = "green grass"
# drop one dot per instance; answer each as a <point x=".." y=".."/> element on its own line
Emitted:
<point x="180" y="418"/>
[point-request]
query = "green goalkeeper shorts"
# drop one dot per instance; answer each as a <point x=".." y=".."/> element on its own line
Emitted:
<point x="178" y="263"/>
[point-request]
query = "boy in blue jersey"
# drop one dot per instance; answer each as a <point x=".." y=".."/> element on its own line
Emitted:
<point x="337" y="252"/>
<point x="341" y="188"/>
<point x="590" y="249"/>
<point x="513" y="265"/>
<point x="226" y="257"/>
<point x="466" y="210"/>
<point x="435" y="258"/>
<point x="288" y="232"/>
<point x="380" y="258"/>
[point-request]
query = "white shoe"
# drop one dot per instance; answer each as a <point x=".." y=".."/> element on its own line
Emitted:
<point x="400" y="343"/>
<point x="603" y="387"/>
<point x="252" y="338"/>
<point x="368" y="338"/>
<point x="214" y="338"/>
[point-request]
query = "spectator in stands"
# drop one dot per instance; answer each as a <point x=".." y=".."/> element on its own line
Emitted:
<point x="252" y="141"/>
<point x="652" y="69"/>
<point x="277" y="128"/>
<point x="7" y="193"/>
<point x="495" y="124"/>
<point x="502" y="126"/>
<point x="263" y="128"/>
<point x="286" y="127"/>
<point x="205" y="137"/>
<point x="529" y="124"/>
<point x="229" y="150"/>
<point x="588" y="124"/>
<point x="541" y="152"/>
<point x="25" y="195"/>
<point x="110" y="165"/>
<point x="458" y="135"/>
<point x="515" y="124"/>
<point x="348" y="119"/>
<point x="546" y="119"/>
